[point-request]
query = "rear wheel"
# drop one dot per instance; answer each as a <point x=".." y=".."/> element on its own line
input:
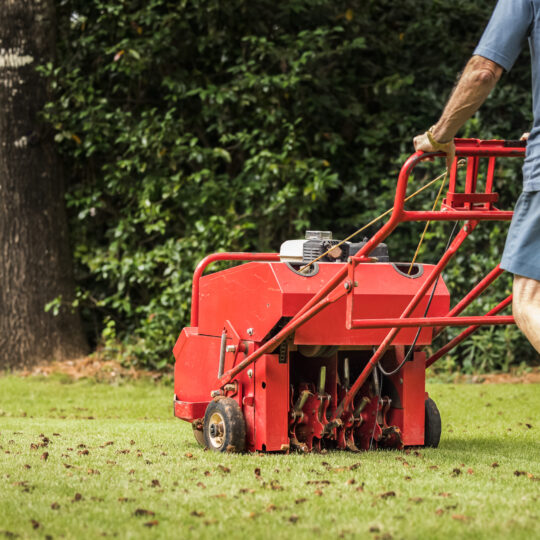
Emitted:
<point x="197" y="426"/>
<point x="224" y="426"/>
<point x="432" y="426"/>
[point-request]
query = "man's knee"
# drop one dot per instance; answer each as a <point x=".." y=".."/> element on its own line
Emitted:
<point x="519" y="313"/>
<point x="526" y="300"/>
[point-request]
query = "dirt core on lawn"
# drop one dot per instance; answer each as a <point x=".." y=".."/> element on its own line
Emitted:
<point x="93" y="367"/>
<point x="100" y="369"/>
<point x="531" y="376"/>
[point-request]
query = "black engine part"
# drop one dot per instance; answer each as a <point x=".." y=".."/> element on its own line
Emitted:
<point x="313" y="249"/>
<point x="380" y="252"/>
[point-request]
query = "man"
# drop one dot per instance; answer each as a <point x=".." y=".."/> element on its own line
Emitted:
<point x="512" y="22"/>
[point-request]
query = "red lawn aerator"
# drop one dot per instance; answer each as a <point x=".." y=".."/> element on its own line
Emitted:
<point x="321" y="345"/>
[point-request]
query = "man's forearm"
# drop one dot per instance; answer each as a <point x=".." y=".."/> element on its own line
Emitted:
<point x="475" y="84"/>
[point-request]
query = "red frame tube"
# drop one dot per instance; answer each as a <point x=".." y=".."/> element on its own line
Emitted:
<point x="431" y="321"/>
<point x="490" y="174"/>
<point x="457" y="215"/>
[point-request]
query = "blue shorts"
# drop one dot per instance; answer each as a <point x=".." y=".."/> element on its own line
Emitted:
<point x="521" y="254"/>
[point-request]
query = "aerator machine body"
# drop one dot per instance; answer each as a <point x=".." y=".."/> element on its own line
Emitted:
<point x="323" y="345"/>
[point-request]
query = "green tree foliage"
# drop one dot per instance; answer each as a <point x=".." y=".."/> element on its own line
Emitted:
<point x="198" y="126"/>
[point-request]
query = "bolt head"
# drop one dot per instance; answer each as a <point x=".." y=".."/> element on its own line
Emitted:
<point x="250" y="373"/>
<point x="250" y="331"/>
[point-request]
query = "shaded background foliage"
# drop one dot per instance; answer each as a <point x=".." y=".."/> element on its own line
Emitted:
<point x="189" y="127"/>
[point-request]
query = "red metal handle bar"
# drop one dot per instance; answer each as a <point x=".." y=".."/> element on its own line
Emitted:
<point x="489" y="148"/>
<point x="456" y="215"/>
<point x="431" y="321"/>
<point x="214" y="257"/>
<point x="464" y="148"/>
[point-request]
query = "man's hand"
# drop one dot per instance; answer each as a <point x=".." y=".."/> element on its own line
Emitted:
<point x="422" y="142"/>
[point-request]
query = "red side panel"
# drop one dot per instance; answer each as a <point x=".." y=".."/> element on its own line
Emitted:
<point x="410" y="385"/>
<point x="271" y="403"/>
<point x="196" y="367"/>
<point x="382" y="292"/>
<point x="247" y="295"/>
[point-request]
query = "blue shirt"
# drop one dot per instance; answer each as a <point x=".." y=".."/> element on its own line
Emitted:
<point x="512" y="23"/>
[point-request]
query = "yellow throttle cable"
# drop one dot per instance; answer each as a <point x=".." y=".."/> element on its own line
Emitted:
<point x="389" y="211"/>
<point x="428" y="222"/>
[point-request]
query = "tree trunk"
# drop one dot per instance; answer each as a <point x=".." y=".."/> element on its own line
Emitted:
<point x="35" y="258"/>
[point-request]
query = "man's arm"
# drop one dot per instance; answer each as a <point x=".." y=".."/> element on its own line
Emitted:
<point x="475" y="84"/>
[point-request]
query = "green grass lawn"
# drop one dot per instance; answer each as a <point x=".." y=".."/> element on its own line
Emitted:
<point x="85" y="460"/>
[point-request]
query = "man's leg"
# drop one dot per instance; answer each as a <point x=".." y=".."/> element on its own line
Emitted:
<point x="526" y="308"/>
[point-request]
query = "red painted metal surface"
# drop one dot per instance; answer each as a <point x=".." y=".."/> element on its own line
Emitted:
<point x="384" y="292"/>
<point x="272" y="404"/>
<point x="415" y="322"/>
<point x="236" y="293"/>
<point x="215" y="257"/>
<point x="246" y="400"/>
<point x="196" y="373"/>
<point x="315" y="341"/>
<point x="408" y="412"/>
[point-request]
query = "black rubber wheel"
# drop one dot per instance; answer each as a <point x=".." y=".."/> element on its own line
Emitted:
<point x="224" y="426"/>
<point x="432" y="426"/>
<point x="320" y="351"/>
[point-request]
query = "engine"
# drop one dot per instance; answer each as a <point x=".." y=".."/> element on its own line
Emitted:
<point x="321" y="246"/>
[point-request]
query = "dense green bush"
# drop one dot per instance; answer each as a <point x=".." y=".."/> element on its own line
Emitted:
<point x="189" y="127"/>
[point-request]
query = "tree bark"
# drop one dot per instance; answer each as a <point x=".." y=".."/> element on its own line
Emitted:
<point x="35" y="257"/>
